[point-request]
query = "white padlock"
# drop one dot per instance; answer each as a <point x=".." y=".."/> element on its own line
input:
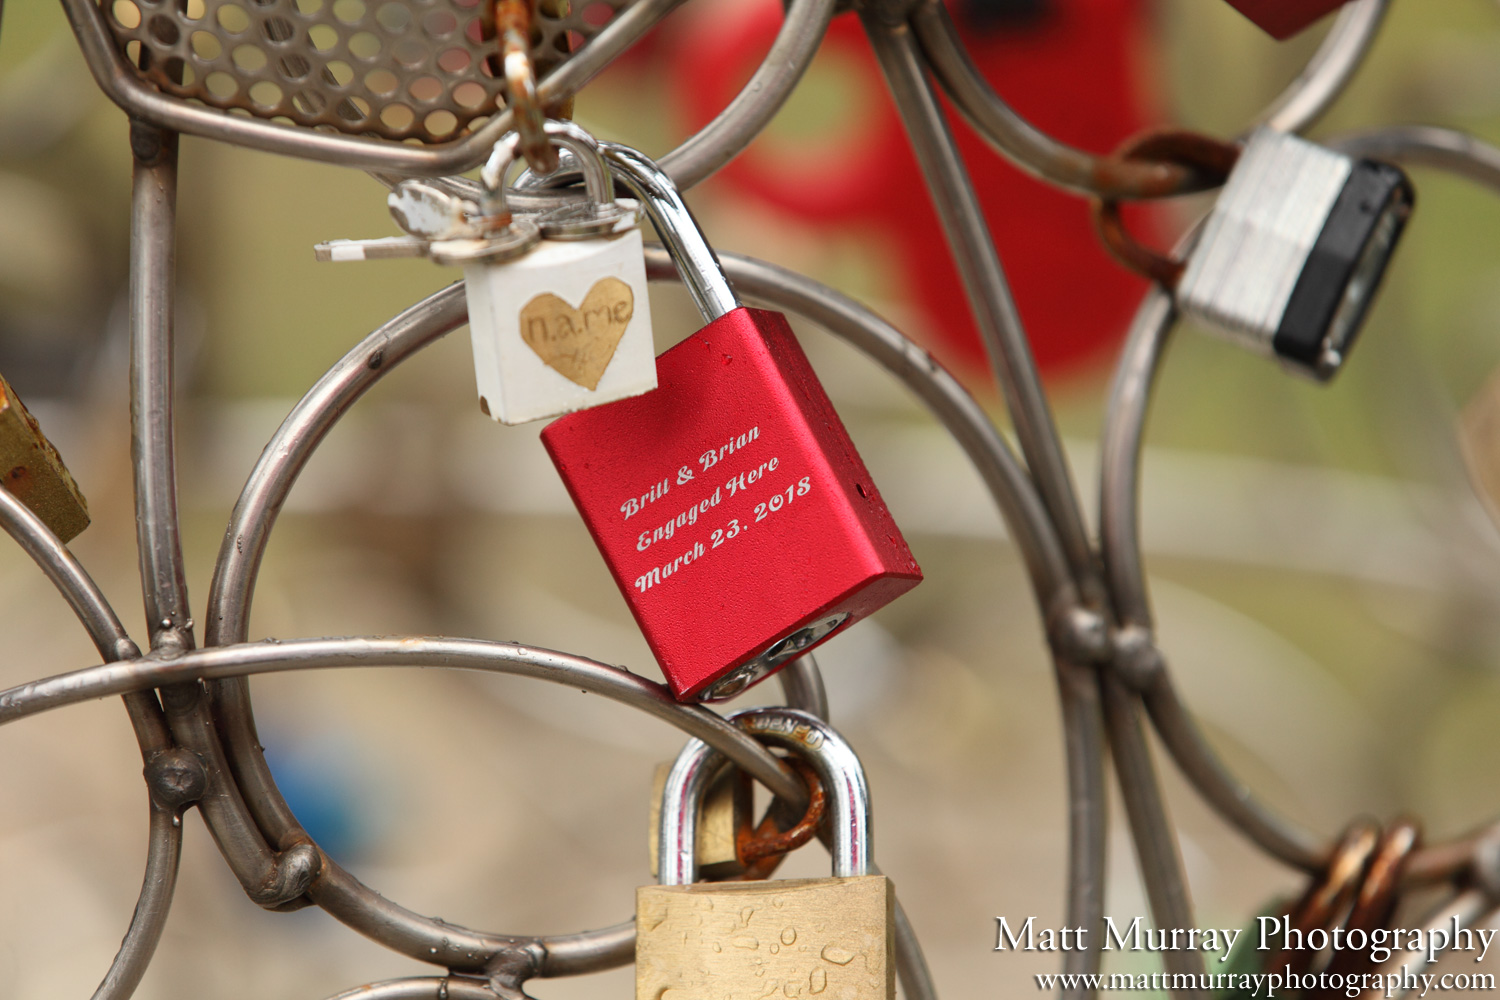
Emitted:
<point x="567" y="324"/>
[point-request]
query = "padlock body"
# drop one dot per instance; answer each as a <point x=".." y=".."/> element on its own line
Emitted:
<point x="34" y="472"/>
<point x="1284" y="18"/>
<point x="1293" y="252"/>
<point x="824" y="938"/>
<point x="731" y="507"/>
<point x="565" y="327"/>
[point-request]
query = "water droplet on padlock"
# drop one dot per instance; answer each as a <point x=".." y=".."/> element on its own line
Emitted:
<point x="838" y="956"/>
<point x="745" y="941"/>
<point x="789" y="936"/>
<point x="745" y="914"/>
<point x="774" y="948"/>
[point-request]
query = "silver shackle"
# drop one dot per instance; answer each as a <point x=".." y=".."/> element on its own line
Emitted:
<point x="586" y="152"/>
<point x="832" y="759"/>
<point x="695" y="259"/>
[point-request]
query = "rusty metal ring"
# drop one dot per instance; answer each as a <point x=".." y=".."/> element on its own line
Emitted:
<point x="1207" y="155"/>
<point x="1375" y="903"/>
<point x="767" y="841"/>
<point x="1331" y="892"/>
<point x="513" y="20"/>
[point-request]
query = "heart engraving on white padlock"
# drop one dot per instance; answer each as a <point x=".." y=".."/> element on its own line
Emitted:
<point x="579" y="343"/>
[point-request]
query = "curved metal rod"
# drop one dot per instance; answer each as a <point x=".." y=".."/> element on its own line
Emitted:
<point x="229" y="605"/>
<point x="722" y="139"/>
<point x="164" y="837"/>
<point x="71" y="580"/>
<point x="420" y="988"/>
<point x="1135" y="655"/>
<point x="1155" y="844"/>
<point x="1456" y="152"/>
<point x="1016" y="497"/>
<point x="802" y="686"/>
<point x="289" y="450"/>
<point x="1308" y="97"/>
<point x="439" y="943"/>
<point x="1120" y="456"/>
<point x="163" y="852"/>
<point x="141" y="100"/>
<point x="1020" y="142"/>
<point x="990" y="300"/>
<point x="675" y="226"/>
<point x="238" y="564"/>
<point x="1303" y="102"/>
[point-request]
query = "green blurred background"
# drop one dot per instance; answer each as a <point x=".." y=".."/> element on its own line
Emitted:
<point x="1324" y="576"/>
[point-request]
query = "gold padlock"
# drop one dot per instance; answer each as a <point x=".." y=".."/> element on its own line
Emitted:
<point x="799" y="939"/>
<point x="726" y="806"/>
<point x="33" y="471"/>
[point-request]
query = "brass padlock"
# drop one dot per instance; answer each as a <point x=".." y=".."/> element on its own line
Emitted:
<point x="34" y="472"/>
<point x="726" y="807"/>
<point x="829" y="939"/>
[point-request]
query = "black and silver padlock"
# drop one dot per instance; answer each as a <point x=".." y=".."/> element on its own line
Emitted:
<point x="559" y="316"/>
<point x="1294" y="250"/>
<point x="790" y="937"/>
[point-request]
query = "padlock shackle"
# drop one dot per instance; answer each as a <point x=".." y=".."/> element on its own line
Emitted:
<point x="830" y="755"/>
<point x="565" y="134"/>
<point x="695" y="259"/>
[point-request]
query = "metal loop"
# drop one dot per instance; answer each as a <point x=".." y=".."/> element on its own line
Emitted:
<point x="767" y="841"/>
<point x="1210" y="157"/>
<point x="513" y="26"/>
<point x="831" y="757"/>
<point x="566" y="134"/>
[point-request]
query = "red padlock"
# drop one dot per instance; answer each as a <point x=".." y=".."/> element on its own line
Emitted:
<point x="1284" y="18"/>
<point x="730" y="505"/>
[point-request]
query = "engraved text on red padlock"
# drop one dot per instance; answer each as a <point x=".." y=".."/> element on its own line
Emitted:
<point x="737" y="518"/>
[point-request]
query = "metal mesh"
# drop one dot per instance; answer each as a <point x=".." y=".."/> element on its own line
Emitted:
<point x="397" y="69"/>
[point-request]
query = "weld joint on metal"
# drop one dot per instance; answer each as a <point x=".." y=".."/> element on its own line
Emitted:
<point x="176" y="778"/>
<point x="519" y="960"/>
<point x="1080" y="634"/>
<point x="292" y="874"/>
<point x="181" y="699"/>
<point x="1136" y="659"/>
<point x="150" y="144"/>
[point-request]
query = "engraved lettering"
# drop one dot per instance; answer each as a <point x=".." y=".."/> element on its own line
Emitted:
<point x="579" y="343"/>
<point x="657" y="574"/>
<point x="713" y="457"/>
<point x="633" y="506"/>
<point x="683" y="474"/>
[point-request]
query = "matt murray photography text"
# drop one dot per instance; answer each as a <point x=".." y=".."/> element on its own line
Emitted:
<point x="1270" y="933"/>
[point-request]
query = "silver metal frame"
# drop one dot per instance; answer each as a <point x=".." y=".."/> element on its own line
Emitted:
<point x="191" y="708"/>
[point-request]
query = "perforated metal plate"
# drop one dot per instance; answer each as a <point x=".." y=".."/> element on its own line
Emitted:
<point x="397" y="69"/>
